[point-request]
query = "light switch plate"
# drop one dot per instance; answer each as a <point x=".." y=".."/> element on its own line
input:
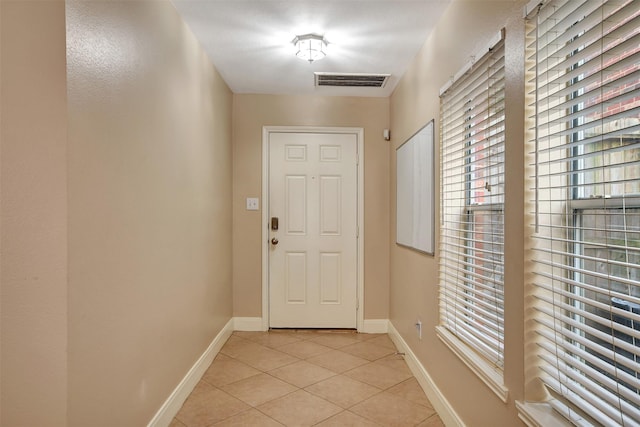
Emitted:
<point x="253" y="204"/>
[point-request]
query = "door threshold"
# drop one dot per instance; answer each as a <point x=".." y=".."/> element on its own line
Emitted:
<point x="316" y="330"/>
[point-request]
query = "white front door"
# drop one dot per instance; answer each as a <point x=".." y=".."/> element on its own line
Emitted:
<point x="313" y="193"/>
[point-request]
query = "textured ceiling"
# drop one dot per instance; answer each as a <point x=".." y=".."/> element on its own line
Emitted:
<point x="249" y="41"/>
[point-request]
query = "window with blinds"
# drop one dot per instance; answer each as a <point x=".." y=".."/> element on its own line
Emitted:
<point x="472" y="203"/>
<point x="584" y="58"/>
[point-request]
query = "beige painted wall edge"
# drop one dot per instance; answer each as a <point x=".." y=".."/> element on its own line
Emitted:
<point x="149" y="207"/>
<point x="250" y="113"/>
<point x="33" y="177"/>
<point x="115" y="257"/>
<point x="123" y="319"/>
<point x="465" y="27"/>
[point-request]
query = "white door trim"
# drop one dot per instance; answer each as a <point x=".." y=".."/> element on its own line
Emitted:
<point x="359" y="132"/>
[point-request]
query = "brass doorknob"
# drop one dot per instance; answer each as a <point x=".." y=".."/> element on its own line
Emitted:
<point x="274" y="241"/>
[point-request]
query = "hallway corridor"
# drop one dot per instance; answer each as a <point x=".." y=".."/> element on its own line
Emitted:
<point x="307" y="378"/>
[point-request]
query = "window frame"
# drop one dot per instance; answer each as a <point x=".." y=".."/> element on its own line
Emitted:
<point x="468" y="345"/>
<point x="569" y="308"/>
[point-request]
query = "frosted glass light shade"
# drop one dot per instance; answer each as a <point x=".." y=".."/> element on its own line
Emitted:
<point x="310" y="47"/>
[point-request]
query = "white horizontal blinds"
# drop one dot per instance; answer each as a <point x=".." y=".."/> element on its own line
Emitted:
<point x="586" y="74"/>
<point x="472" y="196"/>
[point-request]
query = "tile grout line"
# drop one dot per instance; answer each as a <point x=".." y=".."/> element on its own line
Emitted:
<point x="370" y="358"/>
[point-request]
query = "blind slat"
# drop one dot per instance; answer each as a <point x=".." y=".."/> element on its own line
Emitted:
<point x="471" y="240"/>
<point x="584" y="62"/>
<point x="598" y="365"/>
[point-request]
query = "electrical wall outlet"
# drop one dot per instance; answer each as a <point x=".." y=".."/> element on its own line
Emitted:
<point x="419" y="328"/>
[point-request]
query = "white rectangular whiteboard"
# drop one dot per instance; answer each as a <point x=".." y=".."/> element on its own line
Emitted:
<point x="415" y="181"/>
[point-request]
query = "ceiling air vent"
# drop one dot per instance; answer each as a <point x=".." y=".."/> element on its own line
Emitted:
<point x="351" y="80"/>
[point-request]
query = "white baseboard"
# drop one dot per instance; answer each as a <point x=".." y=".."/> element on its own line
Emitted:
<point x="446" y="412"/>
<point x="248" y="324"/>
<point x="375" y="326"/>
<point x="172" y="405"/>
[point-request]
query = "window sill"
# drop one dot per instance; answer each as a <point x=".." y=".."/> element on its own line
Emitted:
<point x="540" y="415"/>
<point x="492" y="377"/>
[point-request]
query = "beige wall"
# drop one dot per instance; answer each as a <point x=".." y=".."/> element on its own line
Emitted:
<point x="119" y="200"/>
<point x="149" y="208"/>
<point x="33" y="265"/>
<point x="250" y="114"/>
<point x="116" y="210"/>
<point x="1" y="280"/>
<point x="466" y="26"/>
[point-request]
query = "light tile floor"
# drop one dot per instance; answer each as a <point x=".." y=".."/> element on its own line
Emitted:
<point x="307" y="378"/>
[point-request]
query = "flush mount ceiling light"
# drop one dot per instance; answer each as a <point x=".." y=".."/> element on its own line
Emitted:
<point x="310" y="47"/>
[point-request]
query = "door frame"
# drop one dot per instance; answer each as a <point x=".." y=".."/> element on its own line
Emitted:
<point x="359" y="133"/>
